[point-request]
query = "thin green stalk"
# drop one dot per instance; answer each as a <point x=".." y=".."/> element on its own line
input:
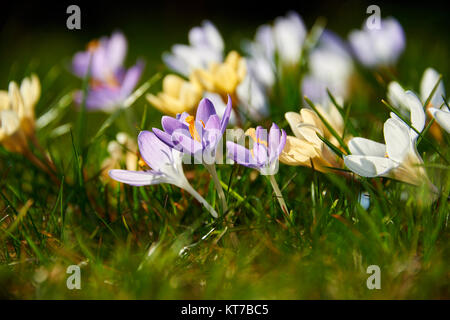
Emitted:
<point x="200" y="199"/>
<point x="212" y="171"/>
<point x="278" y="194"/>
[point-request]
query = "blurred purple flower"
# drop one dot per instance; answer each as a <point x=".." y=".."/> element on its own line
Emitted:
<point x="378" y="47"/>
<point x="264" y="153"/>
<point x="199" y="136"/>
<point x="110" y="83"/>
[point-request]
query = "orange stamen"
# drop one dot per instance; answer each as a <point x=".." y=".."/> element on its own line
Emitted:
<point x="192" y="130"/>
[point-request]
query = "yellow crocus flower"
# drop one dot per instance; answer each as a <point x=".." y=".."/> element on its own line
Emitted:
<point x="223" y="78"/>
<point x="177" y="95"/>
<point x="306" y="148"/>
<point x="17" y="119"/>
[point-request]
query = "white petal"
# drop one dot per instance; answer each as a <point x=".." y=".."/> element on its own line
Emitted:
<point x="442" y="117"/>
<point x="429" y="80"/>
<point x="397" y="138"/>
<point x="136" y="178"/>
<point x="366" y="147"/>
<point x="396" y="96"/>
<point x="367" y="166"/>
<point x="417" y="112"/>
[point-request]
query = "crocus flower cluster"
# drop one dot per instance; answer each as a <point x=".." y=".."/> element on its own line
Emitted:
<point x="209" y="75"/>
<point x="110" y="84"/>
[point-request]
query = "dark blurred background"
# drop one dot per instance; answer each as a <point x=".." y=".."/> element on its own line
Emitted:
<point x="33" y="35"/>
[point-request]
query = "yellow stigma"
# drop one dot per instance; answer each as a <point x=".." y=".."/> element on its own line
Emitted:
<point x="192" y="130"/>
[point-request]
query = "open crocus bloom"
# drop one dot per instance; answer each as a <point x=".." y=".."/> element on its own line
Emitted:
<point x="264" y="149"/>
<point x="110" y="83"/>
<point x="378" y="47"/>
<point x="306" y="148"/>
<point x="205" y="46"/>
<point x="17" y="119"/>
<point x="177" y="95"/>
<point x="166" y="167"/>
<point x="398" y="157"/>
<point x="436" y="106"/>
<point x="199" y="136"/>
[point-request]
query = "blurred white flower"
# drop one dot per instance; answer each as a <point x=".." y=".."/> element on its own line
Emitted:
<point x="378" y="47"/>
<point x="205" y="46"/>
<point x="330" y="67"/>
<point x="289" y="33"/>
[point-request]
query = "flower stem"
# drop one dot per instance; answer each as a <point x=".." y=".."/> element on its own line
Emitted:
<point x="278" y="194"/>
<point x="200" y="199"/>
<point x="212" y="171"/>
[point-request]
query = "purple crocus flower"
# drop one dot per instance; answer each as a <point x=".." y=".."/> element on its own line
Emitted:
<point x="263" y="156"/>
<point x="199" y="136"/>
<point x="110" y="83"/>
<point x="166" y="167"/>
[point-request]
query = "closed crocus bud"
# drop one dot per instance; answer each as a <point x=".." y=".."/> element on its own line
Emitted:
<point x="177" y="95"/>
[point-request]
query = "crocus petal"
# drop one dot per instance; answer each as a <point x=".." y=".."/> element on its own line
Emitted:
<point x="186" y="143"/>
<point x="80" y="63"/>
<point x="163" y="136"/>
<point x="240" y="154"/>
<point x="213" y="123"/>
<point x="418" y="116"/>
<point x="429" y="80"/>
<point x="442" y="117"/>
<point x="274" y="140"/>
<point x="367" y="166"/>
<point x="366" y="147"/>
<point x="154" y="152"/>
<point x="396" y="135"/>
<point x="170" y="124"/>
<point x="226" y="115"/>
<point x="116" y="50"/>
<point x="136" y="178"/>
<point x="131" y="79"/>
<point x="205" y="110"/>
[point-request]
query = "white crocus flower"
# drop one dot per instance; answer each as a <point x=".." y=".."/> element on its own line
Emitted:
<point x="398" y="158"/>
<point x="205" y="46"/>
<point x="436" y="106"/>
<point x="440" y="114"/>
